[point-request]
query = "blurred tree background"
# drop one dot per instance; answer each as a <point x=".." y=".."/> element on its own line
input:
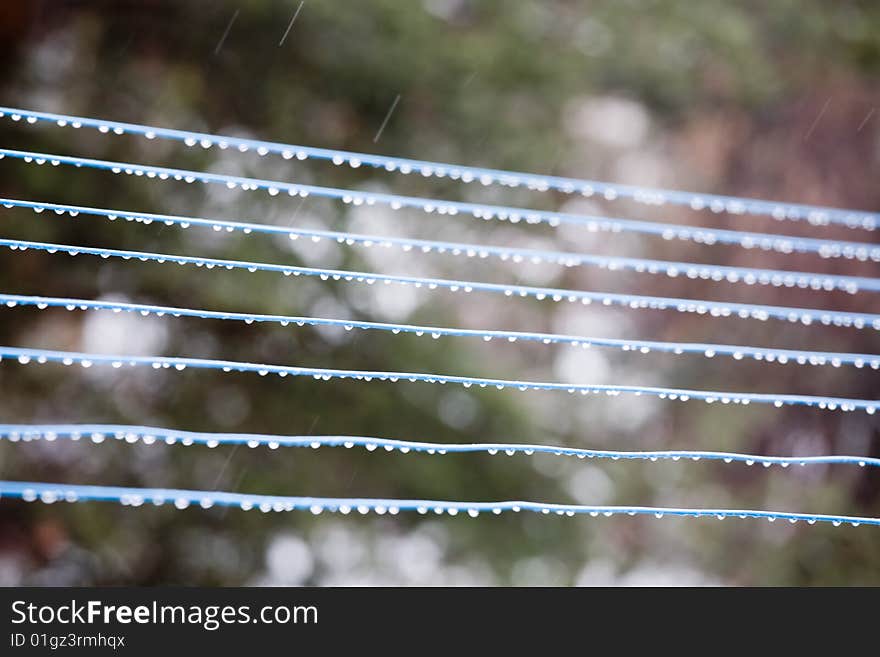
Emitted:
<point x="775" y="100"/>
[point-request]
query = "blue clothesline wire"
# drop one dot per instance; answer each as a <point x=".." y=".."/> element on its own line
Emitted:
<point x="708" y="350"/>
<point x="99" y="433"/>
<point x="49" y="493"/>
<point x="781" y="243"/>
<point x="43" y="356"/>
<point x="746" y="275"/>
<point x="817" y="215"/>
<point x="634" y="301"/>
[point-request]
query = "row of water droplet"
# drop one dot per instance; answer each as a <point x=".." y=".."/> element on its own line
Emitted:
<point x="779" y="243"/>
<point x="816" y="216"/>
<point x="359" y="198"/>
<point x="760" y="354"/>
<point x="804" y="316"/>
<point x="49" y="494"/>
<point x="40" y="356"/>
<point x="131" y="435"/>
<point x="707" y="272"/>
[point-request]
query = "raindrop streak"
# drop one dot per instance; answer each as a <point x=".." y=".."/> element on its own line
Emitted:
<point x="155" y="435"/>
<point x="290" y="25"/>
<point x="805" y="316"/>
<point x="866" y="119"/>
<point x="749" y="276"/>
<point x="182" y="499"/>
<point x="387" y="117"/>
<point x="226" y="33"/>
<point x="43" y="356"/>
<point x="640" y="347"/>
<point x="815" y="123"/>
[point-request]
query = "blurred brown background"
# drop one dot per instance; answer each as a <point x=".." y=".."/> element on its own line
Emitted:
<point x="776" y="100"/>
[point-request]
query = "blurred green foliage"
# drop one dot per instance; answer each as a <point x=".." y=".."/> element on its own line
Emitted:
<point x="734" y="92"/>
